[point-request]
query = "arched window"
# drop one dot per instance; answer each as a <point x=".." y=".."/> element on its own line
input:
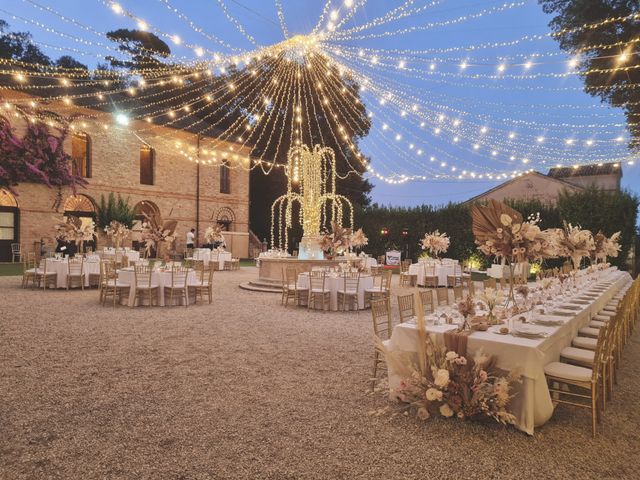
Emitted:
<point x="225" y="218"/>
<point x="145" y="207"/>
<point x="9" y="224"/>
<point x="147" y="165"/>
<point x="225" y="177"/>
<point x="81" y="154"/>
<point x="80" y="206"/>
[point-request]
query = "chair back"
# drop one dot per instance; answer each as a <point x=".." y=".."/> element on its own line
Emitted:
<point x="489" y="283"/>
<point x="442" y="295"/>
<point x="404" y="266"/>
<point x="381" y="314"/>
<point x="75" y="266"/>
<point x="290" y="277"/>
<point x="351" y="282"/>
<point x="143" y="274"/>
<point x="429" y="270"/>
<point x="406" y="307"/>
<point x="385" y="280"/>
<point x="457" y="293"/>
<point x="426" y="297"/>
<point x="470" y="286"/>
<point x="16" y="248"/>
<point x="457" y="270"/>
<point x="317" y="279"/>
<point x="179" y="274"/>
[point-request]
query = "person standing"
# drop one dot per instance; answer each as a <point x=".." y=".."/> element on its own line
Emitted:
<point x="191" y="235"/>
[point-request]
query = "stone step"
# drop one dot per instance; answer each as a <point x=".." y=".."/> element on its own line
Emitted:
<point x="260" y="287"/>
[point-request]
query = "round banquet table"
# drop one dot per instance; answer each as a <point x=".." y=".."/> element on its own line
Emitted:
<point x="441" y="271"/>
<point x="207" y="256"/>
<point x="110" y="254"/>
<point x="61" y="268"/>
<point x="333" y="283"/>
<point x="160" y="278"/>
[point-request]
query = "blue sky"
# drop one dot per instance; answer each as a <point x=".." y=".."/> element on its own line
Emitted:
<point x="553" y="108"/>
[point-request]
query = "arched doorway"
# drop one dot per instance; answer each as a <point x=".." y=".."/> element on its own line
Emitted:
<point x="9" y="224"/>
<point x="145" y="207"/>
<point x="225" y="218"/>
<point x="84" y="208"/>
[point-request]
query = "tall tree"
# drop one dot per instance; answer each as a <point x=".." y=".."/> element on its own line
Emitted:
<point x="145" y="49"/>
<point x="619" y="88"/>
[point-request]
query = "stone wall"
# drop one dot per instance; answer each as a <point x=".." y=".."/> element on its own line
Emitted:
<point x="116" y="168"/>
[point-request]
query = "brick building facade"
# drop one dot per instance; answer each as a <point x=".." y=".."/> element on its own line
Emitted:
<point x="145" y="163"/>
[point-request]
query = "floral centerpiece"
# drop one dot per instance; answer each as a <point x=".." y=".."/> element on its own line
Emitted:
<point x="157" y="233"/>
<point x="466" y="308"/>
<point x="435" y="243"/>
<point x="213" y="234"/>
<point x="117" y="232"/>
<point x="71" y="229"/>
<point x="359" y="239"/>
<point x="491" y="297"/>
<point x="500" y="231"/>
<point x="576" y="243"/>
<point x="447" y="384"/>
<point x="337" y="241"/>
<point x="612" y="245"/>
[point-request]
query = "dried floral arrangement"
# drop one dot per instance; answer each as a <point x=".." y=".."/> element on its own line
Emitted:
<point x="117" y="232"/>
<point x="337" y="241"/>
<point x="436" y="243"/>
<point x="450" y="385"/>
<point x="156" y="231"/>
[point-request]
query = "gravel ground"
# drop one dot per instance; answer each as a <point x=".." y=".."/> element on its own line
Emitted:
<point x="245" y="388"/>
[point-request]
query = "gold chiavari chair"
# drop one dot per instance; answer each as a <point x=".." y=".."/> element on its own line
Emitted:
<point x="426" y="297"/>
<point x="406" y="279"/>
<point x="377" y="270"/>
<point x="235" y="264"/>
<point x="75" y="272"/>
<point x="455" y="279"/>
<point x="203" y="282"/>
<point x="471" y="286"/>
<point x="490" y="283"/>
<point x="317" y="290"/>
<point x="381" y="314"/>
<point x="348" y="294"/>
<point x="458" y="293"/>
<point x="144" y="285"/>
<point x="291" y="289"/>
<point x="179" y="278"/>
<point x="442" y="296"/>
<point x="382" y="290"/>
<point x="113" y="287"/>
<point x="28" y="269"/>
<point x="430" y="278"/>
<point x="228" y="265"/>
<point x="45" y="276"/>
<point x="574" y="385"/>
<point x="406" y="307"/>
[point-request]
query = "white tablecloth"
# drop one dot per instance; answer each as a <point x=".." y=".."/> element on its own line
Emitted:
<point x="502" y="271"/>
<point x="162" y="279"/>
<point x="61" y="268"/>
<point x="532" y="404"/>
<point x="441" y="271"/>
<point x="207" y="256"/>
<point x="132" y="255"/>
<point x="333" y="284"/>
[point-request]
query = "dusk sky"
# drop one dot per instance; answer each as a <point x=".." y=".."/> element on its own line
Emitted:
<point x="527" y="103"/>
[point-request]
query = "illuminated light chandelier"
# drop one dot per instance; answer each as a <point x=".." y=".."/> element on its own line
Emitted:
<point x="311" y="184"/>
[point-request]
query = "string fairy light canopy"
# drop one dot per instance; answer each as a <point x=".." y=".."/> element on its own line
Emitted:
<point x="439" y="110"/>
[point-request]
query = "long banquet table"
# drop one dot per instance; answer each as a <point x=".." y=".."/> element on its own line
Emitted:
<point x="532" y="403"/>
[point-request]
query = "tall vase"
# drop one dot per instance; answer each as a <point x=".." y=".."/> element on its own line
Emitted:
<point x="576" y="259"/>
<point x="511" y="297"/>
